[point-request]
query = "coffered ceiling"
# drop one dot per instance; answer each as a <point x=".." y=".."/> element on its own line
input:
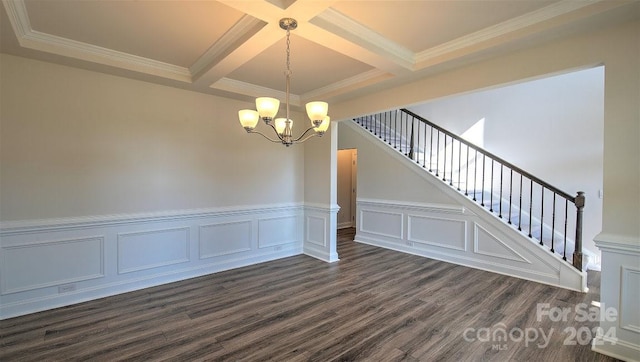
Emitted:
<point x="235" y="48"/>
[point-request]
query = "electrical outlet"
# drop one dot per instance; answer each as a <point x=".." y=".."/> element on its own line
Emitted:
<point x="66" y="288"/>
<point x="410" y="243"/>
<point x="277" y="248"/>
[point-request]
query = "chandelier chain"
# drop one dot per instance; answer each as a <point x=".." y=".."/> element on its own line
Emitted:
<point x="288" y="53"/>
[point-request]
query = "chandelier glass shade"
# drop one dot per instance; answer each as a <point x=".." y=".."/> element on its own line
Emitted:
<point x="267" y="109"/>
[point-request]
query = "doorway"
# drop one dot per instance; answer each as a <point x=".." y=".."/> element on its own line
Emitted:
<point x="347" y="187"/>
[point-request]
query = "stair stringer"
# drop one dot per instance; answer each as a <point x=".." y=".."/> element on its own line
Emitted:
<point x="462" y="232"/>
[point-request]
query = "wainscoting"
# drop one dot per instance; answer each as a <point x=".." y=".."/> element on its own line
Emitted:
<point x="320" y="227"/>
<point x="52" y="263"/>
<point x="457" y="234"/>
<point x="621" y="267"/>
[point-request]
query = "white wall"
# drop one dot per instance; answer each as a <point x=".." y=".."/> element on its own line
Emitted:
<point x="109" y="184"/>
<point x="320" y="195"/>
<point x="379" y="177"/>
<point x="78" y="143"/>
<point x="550" y="127"/>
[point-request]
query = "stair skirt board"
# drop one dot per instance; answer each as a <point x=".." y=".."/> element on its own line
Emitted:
<point x="458" y="235"/>
<point x="485" y="242"/>
<point x="590" y="260"/>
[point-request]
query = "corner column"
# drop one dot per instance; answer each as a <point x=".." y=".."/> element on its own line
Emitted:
<point x="320" y="196"/>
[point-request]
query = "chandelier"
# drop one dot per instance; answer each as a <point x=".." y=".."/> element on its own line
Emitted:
<point x="267" y="108"/>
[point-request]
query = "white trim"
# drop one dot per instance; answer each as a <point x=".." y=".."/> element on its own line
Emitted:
<point x="616" y="348"/>
<point x="33" y="39"/>
<point x="159" y="269"/>
<point x="537" y="263"/>
<point x="202" y="228"/>
<point x="408" y="205"/>
<point x="476" y="248"/>
<point x="345" y="84"/>
<point x="18" y="17"/>
<point x="626" y="298"/>
<point x="504" y="28"/>
<point x="322" y="242"/>
<point x="322" y="207"/>
<point x="399" y="215"/>
<point x="121" y="240"/>
<point x="412" y="239"/>
<point x="3" y="287"/>
<point x="617" y="243"/>
<point x="8" y="228"/>
<point x="252" y="90"/>
<point x="350" y="29"/>
<point x="238" y="31"/>
<point x="41" y="303"/>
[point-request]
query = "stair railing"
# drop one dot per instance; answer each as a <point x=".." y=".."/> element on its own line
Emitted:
<point x="504" y="189"/>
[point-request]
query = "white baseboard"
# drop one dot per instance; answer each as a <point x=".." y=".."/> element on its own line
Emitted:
<point x="619" y="349"/>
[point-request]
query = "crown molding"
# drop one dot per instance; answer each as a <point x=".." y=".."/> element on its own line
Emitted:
<point x="337" y="87"/>
<point x="32" y="39"/>
<point x="17" y="13"/>
<point x="245" y="26"/>
<point x="252" y="90"/>
<point x="339" y="24"/>
<point x="506" y="27"/>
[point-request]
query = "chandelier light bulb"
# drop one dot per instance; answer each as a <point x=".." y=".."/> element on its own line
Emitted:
<point x="317" y="110"/>
<point x="267" y="107"/>
<point x="248" y="118"/>
<point x="281" y="124"/>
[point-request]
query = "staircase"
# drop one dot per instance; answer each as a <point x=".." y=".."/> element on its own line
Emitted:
<point x="543" y="213"/>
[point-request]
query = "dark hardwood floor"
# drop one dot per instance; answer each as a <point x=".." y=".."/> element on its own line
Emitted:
<point x="372" y="305"/>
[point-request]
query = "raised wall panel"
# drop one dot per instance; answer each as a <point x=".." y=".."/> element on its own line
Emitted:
<point x="629" y="297"/>
<point x="487" y="244"/>
<point x="277" y="231"/>
<point x="445" y="233"/>
<point x="151" y="249"/>
<point x="225" y="238"/>
<point x="387" y="224"/>
<point x="50" y="263"/>
<point x="316" y="230"/>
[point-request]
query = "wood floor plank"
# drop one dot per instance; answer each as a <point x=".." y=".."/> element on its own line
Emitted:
<point x="372" y="305"/>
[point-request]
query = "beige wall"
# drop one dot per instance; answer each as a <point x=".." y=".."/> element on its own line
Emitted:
<point x="320" y="170"/>
<point x="617" y="47"/>
<point x="76" y="143"/>
<point x="378" y="174"/>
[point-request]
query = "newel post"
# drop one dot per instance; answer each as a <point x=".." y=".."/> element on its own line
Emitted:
<point x="577" y="253"/>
